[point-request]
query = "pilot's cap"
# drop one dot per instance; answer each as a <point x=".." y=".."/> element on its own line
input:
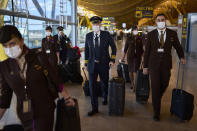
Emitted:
<point x="60" y="28"/>
<point x="95" y="19"/>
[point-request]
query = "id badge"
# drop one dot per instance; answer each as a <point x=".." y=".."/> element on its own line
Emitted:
<point x="160" y="50"/>
<point x="48" y="51"/>
<point x="26" y="106"/>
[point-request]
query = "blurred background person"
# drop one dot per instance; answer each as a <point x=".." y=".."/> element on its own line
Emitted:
<point x="134" y="50"/>
<point x="50" y="47"/>
<point x="62" y="40"/>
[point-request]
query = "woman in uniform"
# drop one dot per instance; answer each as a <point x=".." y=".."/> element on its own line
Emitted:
<point x="28" y="74"/>
<point x="134" y="50"/>
<point x="50" y="47"/>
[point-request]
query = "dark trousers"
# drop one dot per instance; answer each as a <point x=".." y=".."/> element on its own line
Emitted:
<point x="41" y="123"/>
<point x="44" y="123"/>
<point x="13" y="128"/>
<point x="104" y="77"/>
<point x="159" y="82"/>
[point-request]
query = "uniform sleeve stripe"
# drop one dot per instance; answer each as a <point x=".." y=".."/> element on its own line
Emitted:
<point x="86" y="61"/>
<point x="113" y="57"/>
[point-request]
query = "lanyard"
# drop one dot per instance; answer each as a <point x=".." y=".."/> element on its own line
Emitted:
<point x="23" y="77"/>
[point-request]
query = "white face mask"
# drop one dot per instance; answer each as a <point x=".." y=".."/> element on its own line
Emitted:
<point x="48" y="33"/>
<point x="135" y="32"/>
<point x="161" y="25"/>
<point x="13" y="52"/>
<point x="96" y="28"/>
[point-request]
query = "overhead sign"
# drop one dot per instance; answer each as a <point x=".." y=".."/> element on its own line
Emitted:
<point x="144" y="12"/>
<point x="108" y="21"/>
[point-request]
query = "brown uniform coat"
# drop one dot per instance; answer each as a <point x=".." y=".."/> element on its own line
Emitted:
<point x="53" y="47"/>
<point x="160" y="64"/>
<point x="42" y="102"/>
<point x="134" y="49"/>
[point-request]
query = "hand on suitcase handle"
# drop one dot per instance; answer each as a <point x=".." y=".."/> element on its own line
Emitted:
<point x="69" y="101"/>
<point x="183" y="61"/>
<point x="111" y="64"/>
<point x="122" y="61"/>
<point x="145" y="71"/>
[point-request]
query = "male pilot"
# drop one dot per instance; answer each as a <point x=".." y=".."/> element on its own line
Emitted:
<point x="98" y="61"/>
<point x="62" y="40"/>
<point x="158" y="60"/>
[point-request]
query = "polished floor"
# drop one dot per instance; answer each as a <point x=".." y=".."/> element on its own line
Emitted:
<point x="139" y="117"/>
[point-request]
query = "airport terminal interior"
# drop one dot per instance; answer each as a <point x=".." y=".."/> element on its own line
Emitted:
<point x="119" y="17"/>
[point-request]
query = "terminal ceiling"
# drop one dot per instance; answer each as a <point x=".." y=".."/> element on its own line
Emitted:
<point x="124" y="10"/>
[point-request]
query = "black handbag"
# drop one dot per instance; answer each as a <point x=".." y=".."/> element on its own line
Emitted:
<point x="51" y="85"/>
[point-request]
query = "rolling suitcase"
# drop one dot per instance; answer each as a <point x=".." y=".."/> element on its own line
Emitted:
<point x="68" y="118"/>
<point x="116" y="96"/>
<point x="62" y="73"/>
<point x="182" y="104"/>
<point x="86" y="86"/>
<point x="120" y="70"/>
<point x="142" y="87"/>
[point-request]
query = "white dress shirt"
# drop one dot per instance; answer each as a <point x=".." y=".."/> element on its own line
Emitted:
<point x="98" y="35"/>
<point x="159" y="36"/>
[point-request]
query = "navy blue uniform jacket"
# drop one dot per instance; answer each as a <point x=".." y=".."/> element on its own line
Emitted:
<point x="105" y="41"/>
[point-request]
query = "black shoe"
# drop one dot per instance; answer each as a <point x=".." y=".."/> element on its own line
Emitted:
<point x="156" y="118"/>
<point x="93" y="112"/>
<point x="104" y="103"/>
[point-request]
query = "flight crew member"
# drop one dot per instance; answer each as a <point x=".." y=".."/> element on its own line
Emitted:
<point x="62" y="40"/>
<point x="158" y="60"/>
<point x="98" y="61"/>
<point x="50" y="48"/>
<point x="134" y="50"/>
<point x="23" y="73"/>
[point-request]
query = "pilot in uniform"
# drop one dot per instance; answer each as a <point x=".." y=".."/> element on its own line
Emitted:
<point x="98" y="61"/>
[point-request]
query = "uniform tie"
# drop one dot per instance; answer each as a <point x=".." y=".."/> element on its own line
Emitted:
<point x="162" y="39"/>
<point x="97" y="49"/>
<point x="96" y="41"/>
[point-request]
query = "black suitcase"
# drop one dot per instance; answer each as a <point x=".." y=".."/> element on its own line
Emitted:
<point x="142" y="87"/>
<point x="126" y="71"/>
<point x="73" y="75"/>
<point x="13" y="128"/>
<point x="86" y="86"/>
<point x="182" y="104"/>
<point x="62" y="73"/>
<point x="68" y="118"/>
<point x="116" y="96"/>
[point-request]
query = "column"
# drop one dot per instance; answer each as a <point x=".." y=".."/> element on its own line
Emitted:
<point x="74" y="21"/>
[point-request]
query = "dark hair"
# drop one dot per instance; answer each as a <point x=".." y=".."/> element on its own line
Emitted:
<point x="48" y="28"/>
<point x="161" y="14"/>
<point x="7" y="32"/>
<point x="134" y="27"/>
<point x="60" y="28"/>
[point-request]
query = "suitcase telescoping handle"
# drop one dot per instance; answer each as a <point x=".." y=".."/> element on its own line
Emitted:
<point x="122" y="66"/>
<point x="177" y="86"/>
<point x="84" y="73"/>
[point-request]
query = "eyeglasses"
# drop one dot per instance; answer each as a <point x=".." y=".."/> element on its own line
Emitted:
<point x="160" y="20"/>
